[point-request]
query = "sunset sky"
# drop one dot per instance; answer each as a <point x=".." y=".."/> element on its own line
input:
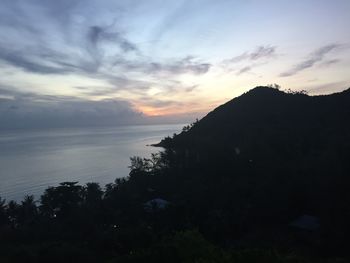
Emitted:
<point x="114" y="58"/>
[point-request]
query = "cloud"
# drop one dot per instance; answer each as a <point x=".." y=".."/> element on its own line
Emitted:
<point x="315" y="57"/>
<point x="183" y="66"/>
<point x="56" y="38"/>
<point x="191" y="88"/>
<point x="60" y="37"/>
<point x="329" y="62"/>
<point x="30" y="110"/>
<point x="326" y="88"/>
<point x="26" y="62"/>
<point x="98" y="34"/>
<point x="245" y="62"/>
<point x="244" y="70"/>
<point x="187" y="65"/>
<point x="84" y="39"/>
<point x="116" y="84"/>
<point x="97" y="91"/>
<point x="261" y="52"/>
<point x="158" y="103"/>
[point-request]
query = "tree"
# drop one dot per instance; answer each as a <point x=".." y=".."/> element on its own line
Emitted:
<point x="139" y="165"/>
<point x="92" y="195"/>
<point x="274" y="86"/>
<point x="27" y="210"/>
<point x="62" y="200"/>
<point x="3" y="216"/>
<point x="12" y="213"/>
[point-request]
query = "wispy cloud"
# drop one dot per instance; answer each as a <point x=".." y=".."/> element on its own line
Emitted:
<point x="244" y="70"/>
<point x="40" y="62"/>
<point x="97" y="34"/>
<point x="246" y="61"/>
<point x="326" y="88"/>
<point x="187" y="65"/>
<point x="315" y="57"/>
<point x="261" y="52"/>
<point x="329" y="62"/>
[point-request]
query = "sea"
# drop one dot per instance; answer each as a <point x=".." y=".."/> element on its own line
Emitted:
<point x="32" y="160"/>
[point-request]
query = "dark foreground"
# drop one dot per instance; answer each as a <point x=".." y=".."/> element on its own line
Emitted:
<point x="263" y="178"/>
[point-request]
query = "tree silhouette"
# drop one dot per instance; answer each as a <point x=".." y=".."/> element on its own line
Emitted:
<point x="3" y="215"/>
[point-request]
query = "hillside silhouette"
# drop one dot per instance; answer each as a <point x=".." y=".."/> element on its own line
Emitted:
<point x="262" y="178"/>
<point x="280" y="116"/>
<point x="272" y="156"/>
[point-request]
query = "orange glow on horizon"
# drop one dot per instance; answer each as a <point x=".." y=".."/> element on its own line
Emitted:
<point x="183" y="110"/>
<point x="150" y="111"/>
<point x="157" y="112"/>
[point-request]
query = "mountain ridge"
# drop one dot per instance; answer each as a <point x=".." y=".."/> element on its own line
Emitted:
<point x="263" y="106"/>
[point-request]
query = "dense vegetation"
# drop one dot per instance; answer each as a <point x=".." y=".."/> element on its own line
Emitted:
<point x="233" y="183"/>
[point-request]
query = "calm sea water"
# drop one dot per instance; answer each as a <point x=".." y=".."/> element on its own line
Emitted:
<point x="30" y="161"/>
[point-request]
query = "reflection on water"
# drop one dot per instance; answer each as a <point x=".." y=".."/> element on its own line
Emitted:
<point x="30" y="161"/>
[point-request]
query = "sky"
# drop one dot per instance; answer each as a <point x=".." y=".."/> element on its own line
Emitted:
<point x="83" y="62"/>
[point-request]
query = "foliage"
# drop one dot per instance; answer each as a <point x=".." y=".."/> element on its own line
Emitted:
<point x="239" y="177"/>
